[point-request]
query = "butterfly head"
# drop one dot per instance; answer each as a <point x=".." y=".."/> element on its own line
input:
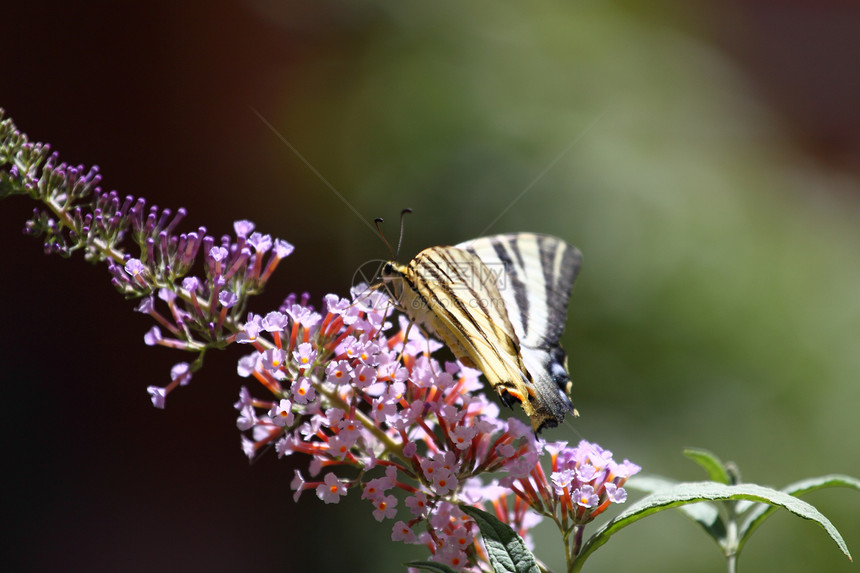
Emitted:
<point x="392" y="277"/>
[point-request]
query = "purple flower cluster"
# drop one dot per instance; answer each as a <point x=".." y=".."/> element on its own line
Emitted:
<point x="354" y="393"/>
<point x="201" y="308"/>
<point x="584" y="482"/>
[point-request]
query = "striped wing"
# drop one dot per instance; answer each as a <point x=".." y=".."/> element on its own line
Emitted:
<point x="535" y="274"/>
<point x="451" y="292"/>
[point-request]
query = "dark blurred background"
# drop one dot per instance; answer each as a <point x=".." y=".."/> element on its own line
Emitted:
<point x="704" y="156"/>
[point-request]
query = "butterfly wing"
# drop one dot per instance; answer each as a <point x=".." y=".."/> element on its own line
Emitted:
<point x="535" y="274"/>
<point x="452" y="293"/>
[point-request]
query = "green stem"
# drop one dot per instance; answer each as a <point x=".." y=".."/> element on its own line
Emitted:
<point x="732" y="563"/>
<point x="731" y="543"/>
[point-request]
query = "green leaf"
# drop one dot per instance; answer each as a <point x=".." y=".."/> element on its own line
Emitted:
<point x="704" y="513"/>
<point x="506" y="549"/>
<point x="431" y="566"/>
<point x="760" y="512"/>
<point x="711" y="463"/>
<point x="685" y="493"/>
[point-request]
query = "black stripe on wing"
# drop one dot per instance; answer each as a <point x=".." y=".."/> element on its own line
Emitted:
<point x="521" y="299"/>
<point x="560" y="263"/>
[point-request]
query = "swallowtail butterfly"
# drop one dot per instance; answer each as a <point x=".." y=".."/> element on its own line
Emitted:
<point x="500" y="304"/>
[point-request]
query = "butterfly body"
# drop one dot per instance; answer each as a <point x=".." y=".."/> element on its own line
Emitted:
<point x="499" y="303"/>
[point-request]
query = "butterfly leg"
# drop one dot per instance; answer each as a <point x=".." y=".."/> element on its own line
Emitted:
<point x="405" y="340"/>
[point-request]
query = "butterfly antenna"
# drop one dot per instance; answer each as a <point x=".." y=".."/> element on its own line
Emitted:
<point x="400" y="240"/>
<point x="377" y="221"/>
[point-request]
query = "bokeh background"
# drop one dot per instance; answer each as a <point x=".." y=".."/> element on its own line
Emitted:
<point x="704" y="156"/>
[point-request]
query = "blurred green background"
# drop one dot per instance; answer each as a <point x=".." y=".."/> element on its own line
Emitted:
<point x="704" y="156"/>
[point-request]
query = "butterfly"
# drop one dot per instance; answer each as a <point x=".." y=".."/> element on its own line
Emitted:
<point x="500" y="304"/>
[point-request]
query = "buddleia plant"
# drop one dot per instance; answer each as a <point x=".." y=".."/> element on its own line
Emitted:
<point x="341" y="381"/>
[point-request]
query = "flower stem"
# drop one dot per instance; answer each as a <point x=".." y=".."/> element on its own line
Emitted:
<point x="574" y="544"/>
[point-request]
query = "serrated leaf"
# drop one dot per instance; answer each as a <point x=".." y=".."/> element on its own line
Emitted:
<point x="506" y="549"/>
<point x="760" y="512"/>
<point x="431" y="566"/>
<point x="694" y="492"/>
<point x="710" y="462"/>
<point x="703" y="513"/>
